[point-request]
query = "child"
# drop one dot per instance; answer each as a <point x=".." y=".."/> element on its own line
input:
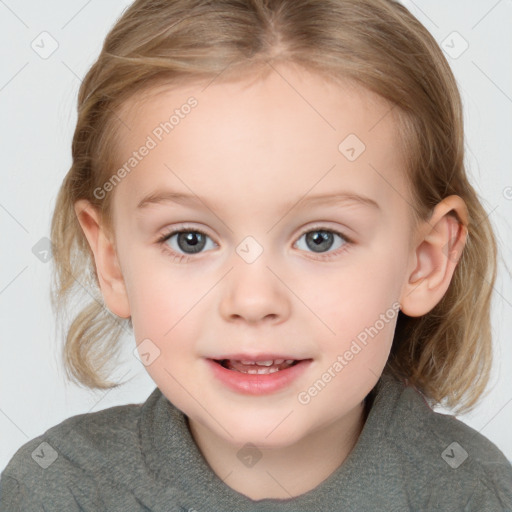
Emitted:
<point x="290" y="376"/>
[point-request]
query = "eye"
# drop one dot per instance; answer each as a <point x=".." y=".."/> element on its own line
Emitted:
<point x="320" y="240"/>
<point x="189" y="241"/>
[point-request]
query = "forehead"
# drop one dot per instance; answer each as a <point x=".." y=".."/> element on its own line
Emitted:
<point x="287" y="133"/>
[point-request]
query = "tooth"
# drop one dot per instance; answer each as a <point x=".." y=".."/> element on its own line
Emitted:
<point x="289" y="361"/>
<point x="260" y="371"/>
<point x="265" y="363"/>
<point x="278" y="361"/>
<point x="247" y="362"/>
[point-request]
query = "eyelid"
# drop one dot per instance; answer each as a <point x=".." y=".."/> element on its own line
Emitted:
<point x="168" y="232"/>
<point x="324" y="226"/>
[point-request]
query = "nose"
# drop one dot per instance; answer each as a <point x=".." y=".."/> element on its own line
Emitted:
<point x="254" y="293"/>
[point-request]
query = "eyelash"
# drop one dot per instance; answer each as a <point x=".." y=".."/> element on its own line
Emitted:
<point x="184" y="258"/>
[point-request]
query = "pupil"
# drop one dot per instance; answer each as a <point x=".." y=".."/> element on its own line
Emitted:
<point x="321" y="240"/>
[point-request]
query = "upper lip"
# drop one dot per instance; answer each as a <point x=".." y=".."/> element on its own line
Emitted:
<point x="256" y="357"/>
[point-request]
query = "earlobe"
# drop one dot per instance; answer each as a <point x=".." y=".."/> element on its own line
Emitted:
<point x="107" y="265"/>
<point x="435" y="257"/>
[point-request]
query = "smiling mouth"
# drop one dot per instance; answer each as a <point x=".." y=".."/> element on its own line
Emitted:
<point x="257" y="367"/>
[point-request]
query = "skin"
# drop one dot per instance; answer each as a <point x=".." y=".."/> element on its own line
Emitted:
<point x="247" y="150"/>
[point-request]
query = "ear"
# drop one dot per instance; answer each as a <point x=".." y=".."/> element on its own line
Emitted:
<point x="434" y="258"/>
<point x="107" y="265"/>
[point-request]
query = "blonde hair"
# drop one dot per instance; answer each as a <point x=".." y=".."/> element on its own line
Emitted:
<point x="376" y="44"/>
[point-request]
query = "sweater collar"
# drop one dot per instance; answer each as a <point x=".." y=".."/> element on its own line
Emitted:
<point x="174" y="459"/>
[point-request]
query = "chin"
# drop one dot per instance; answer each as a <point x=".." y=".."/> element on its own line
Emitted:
<point x="264" y="436"/>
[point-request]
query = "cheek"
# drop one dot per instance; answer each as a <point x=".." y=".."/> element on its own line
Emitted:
<point x="358" y="308"/>
<point x="154" y="302"/>
<point x="167" y="308"/>
<point x="355" y="295"/>
<point x="159" y="307"/>
<point x="165" y="324"/>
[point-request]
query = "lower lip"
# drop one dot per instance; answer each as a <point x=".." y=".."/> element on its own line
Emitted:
<point x="258" y="384"/>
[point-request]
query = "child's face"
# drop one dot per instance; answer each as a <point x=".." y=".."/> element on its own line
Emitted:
<point x="252" y="157"/>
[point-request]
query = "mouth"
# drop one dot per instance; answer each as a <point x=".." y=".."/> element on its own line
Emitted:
<point x="257" y="367"/>
<point x="258" y="375"/>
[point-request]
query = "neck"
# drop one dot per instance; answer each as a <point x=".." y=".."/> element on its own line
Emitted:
<point x="283" y="472"/>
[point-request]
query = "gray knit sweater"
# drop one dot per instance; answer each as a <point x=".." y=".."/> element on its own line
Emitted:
<point x="142" y="457"/>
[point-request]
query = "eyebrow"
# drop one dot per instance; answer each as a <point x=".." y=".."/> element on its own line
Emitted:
<point x="169" y="196"/>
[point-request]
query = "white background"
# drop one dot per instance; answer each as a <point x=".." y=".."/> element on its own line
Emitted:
<point x="37" y="112"/>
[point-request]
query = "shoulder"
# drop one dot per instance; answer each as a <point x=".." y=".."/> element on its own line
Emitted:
<point x="451" y="456"/>
<point x="66" y="461"/>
